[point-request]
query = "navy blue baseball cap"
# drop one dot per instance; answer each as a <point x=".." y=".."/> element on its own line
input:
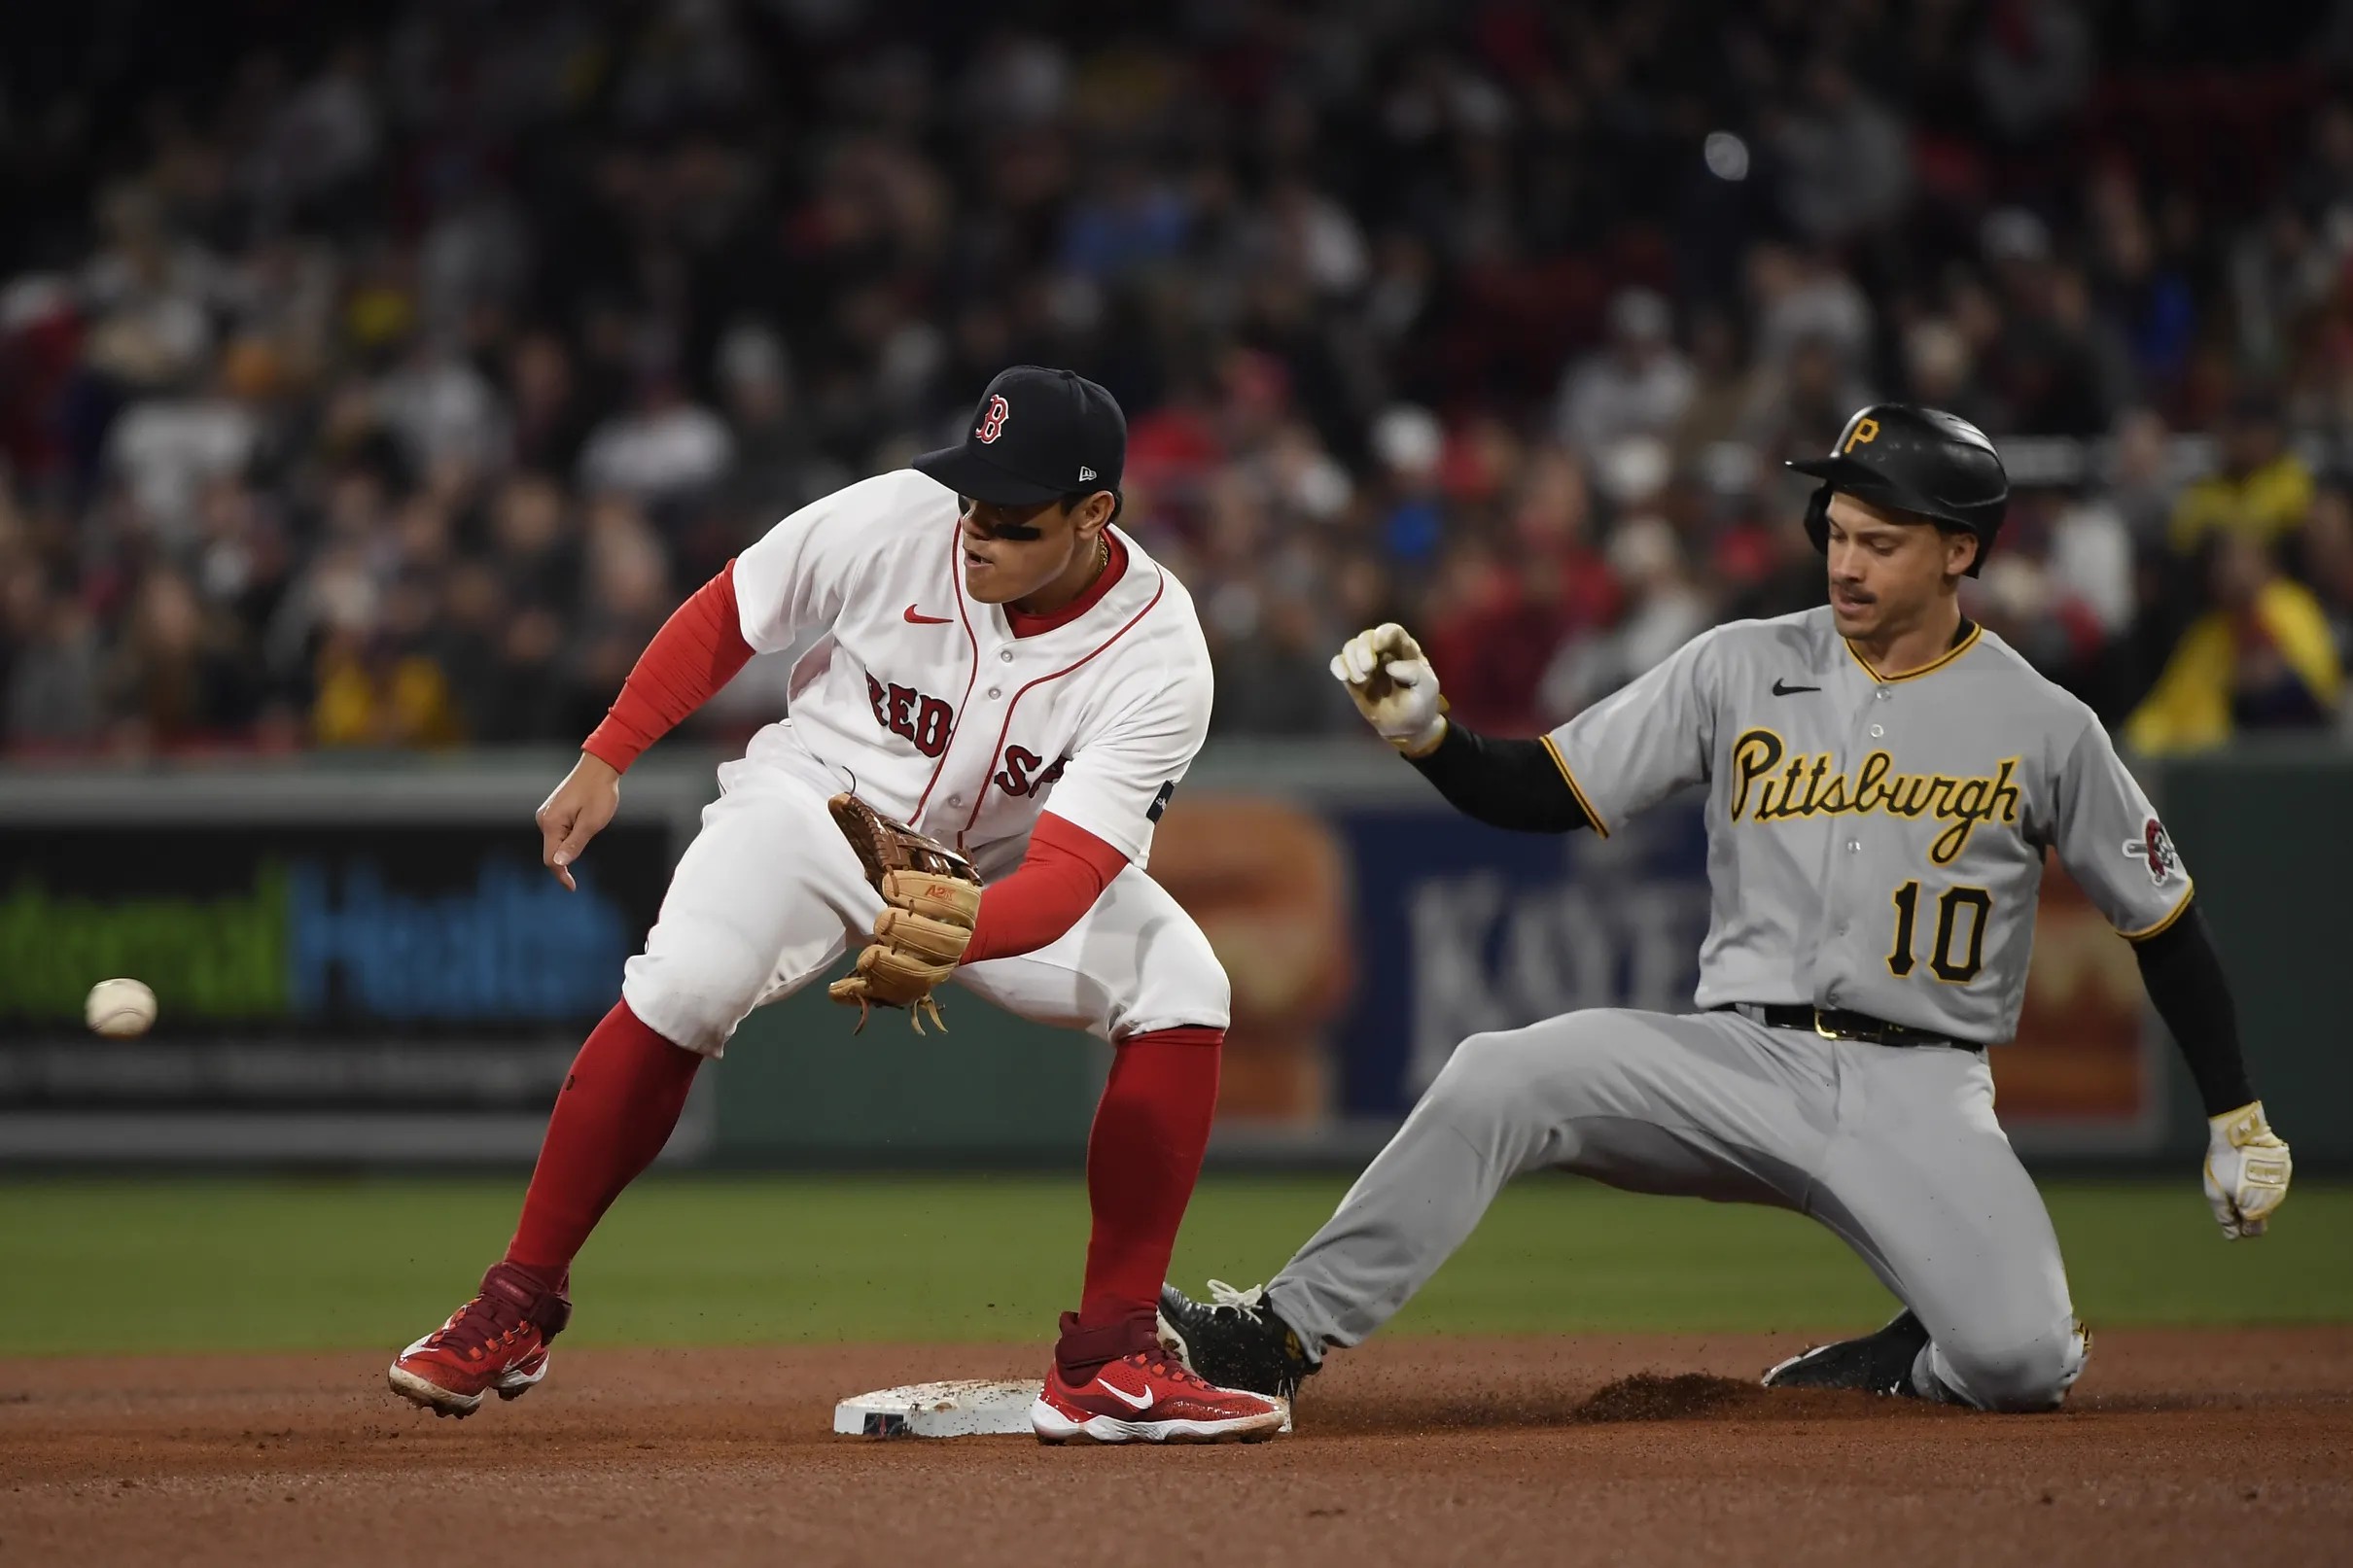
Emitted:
<point x="1037" y="436"/>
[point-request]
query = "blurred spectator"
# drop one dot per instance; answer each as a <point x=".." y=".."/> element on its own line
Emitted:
<point x="2090" y="556"/>
<point x="2264" y="657"/>
<point x="2329" y="560"/>
<point x="177" y="676"/>
<point x="1940" y="370"/>
<point x="166" y="449"/>
<point x="1800" y="411"/>
<point x="1640" y="385"/>
<point x="147" y="295"/>
<point x="2140" y="486"/>
<point x="2261" y="491"/>
<point x="628" y="594"/>
<point x="1847" y="159"/>
<point x="383" y="384"/>
<point x="778" y="466"/>
<point x="1719" y="395"/>
<point x="1801" y="298"/>
<point x="1664" y="612"/>
<point x="2033" y="67"/>
<point x="380" y="688"/>
<point x="442" y="410"/>
<point x="550" y="424"/>
<point x="1130" y="220"/>
<point x="667" y="448"/>
<point x="1275" y="681"/>
<point x="532" y="543"/>
<point x="52" y="692"/>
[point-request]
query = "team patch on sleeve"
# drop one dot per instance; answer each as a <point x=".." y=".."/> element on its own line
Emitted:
<point x="1160" y="802"/>
<point x="2155" y="846"/>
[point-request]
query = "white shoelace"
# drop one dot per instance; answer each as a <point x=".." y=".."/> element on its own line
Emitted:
<point x="1253" y="1300"/>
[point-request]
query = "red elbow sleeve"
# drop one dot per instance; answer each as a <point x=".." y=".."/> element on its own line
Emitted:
<point x="1065" y="871"/>
<point x="698" y="650"/>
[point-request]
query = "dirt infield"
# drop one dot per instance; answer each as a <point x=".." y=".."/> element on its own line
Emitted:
<point x="2177" y="1446"/>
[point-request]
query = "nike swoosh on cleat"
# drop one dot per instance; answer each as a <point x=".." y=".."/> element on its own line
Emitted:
<point x="1138" y="1402"/>
<point x="915" y="620"/>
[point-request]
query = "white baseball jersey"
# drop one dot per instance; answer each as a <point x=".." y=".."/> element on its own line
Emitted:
<point x="1875" y="843"/>
<point x="920" y="700"/>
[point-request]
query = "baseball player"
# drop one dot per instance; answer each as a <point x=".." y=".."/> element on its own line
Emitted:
<point x="1884" y="780"/>
<point x="1005" y="676"/>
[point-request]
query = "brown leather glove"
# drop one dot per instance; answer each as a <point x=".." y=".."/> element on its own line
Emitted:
<point x="932" y="895"/>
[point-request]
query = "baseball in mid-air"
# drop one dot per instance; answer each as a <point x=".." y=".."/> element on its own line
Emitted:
<point x="119" y="1009"/>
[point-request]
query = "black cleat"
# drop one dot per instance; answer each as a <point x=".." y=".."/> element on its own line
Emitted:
<point x="1880" y="1363"/>
<point x="1234" y="1340"/>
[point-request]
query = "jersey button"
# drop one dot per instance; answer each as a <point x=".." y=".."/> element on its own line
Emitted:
<point x="995" y="692"/>
<point x="1877" y="730"/>
<point x="1884" y="694"/>
<point x="1006" y="656"/>
<point x="1854" y="846"/>
<point x="956" y="800"/>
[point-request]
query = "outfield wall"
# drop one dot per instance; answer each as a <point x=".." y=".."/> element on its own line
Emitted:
<point x="363" y="962"/>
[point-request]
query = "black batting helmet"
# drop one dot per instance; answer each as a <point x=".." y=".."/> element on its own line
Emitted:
<point x="1922" y="461"/>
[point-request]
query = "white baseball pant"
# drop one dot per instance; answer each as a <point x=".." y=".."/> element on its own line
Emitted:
<point x="770" y="896"/>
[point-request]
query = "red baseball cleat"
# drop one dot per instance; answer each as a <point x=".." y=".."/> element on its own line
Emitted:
<point x="1148" y="1398"/>
<point x="496" y="1343"/>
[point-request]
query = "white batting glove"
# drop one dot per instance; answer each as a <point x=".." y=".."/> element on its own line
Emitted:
<point x="2247" y="1168"/>
<point x="1393" y="687"/>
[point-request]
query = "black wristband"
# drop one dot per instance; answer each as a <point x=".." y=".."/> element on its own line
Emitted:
<point x="2184" y="976"/>
<point x="1504" y="784"/>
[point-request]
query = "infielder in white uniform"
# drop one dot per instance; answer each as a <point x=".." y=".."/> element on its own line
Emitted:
<point x="1884" y="779"/>
<point x="998" y="667"/>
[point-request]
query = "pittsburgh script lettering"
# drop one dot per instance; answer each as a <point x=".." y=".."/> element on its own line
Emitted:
<point x="1772" y="785"/>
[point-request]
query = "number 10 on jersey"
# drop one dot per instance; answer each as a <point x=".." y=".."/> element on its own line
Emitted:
<point x="1953" y="905"/>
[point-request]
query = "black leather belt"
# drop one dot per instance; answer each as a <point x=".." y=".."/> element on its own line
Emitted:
<point x="1838" y="1023"/>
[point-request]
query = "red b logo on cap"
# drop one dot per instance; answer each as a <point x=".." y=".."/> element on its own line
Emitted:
<point x="993" y="421"/>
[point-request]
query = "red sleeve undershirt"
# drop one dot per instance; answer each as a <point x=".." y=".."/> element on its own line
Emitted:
<point x="698" y="650"/>
<point x="1067" y="868"/>
<point x="1060" y="878"/>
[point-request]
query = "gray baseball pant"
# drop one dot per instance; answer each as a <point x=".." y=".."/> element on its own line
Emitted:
<point x="1895" y="1149"/>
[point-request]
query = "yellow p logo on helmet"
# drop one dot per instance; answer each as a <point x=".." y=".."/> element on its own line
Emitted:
<point x="1865" y="431"/>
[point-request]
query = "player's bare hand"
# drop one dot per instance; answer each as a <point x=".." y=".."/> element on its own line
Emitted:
<point x="1393" y="686"/>
<point x="578" y="812"/>
<point x="2247" y="1168"/>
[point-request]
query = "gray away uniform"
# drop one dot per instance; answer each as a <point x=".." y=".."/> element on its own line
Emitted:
<point x="1874" y="845"/>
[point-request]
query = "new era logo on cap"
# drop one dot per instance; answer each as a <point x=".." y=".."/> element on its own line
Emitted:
<point x="1085" y="473"/>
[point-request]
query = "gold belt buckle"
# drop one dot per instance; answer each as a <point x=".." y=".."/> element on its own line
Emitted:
<point x="1829" y="1033"/>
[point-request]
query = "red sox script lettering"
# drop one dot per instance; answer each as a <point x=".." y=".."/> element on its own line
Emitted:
<point x="1020" y="777"/>
<point x="903" y="711"/>
<point x="927" y="721"/>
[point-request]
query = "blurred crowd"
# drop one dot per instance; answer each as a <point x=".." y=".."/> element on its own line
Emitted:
<point x="382" y="375"/>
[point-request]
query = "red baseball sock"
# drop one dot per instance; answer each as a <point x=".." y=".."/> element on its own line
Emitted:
<point x="1143" y="1158"/>
<point x="617" y="1107"/>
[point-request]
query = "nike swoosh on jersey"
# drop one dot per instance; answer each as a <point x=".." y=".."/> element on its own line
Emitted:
<point x="914" y="619"/>
<point x="1140" y="1402"/>
<point x="1781" y="688"/>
